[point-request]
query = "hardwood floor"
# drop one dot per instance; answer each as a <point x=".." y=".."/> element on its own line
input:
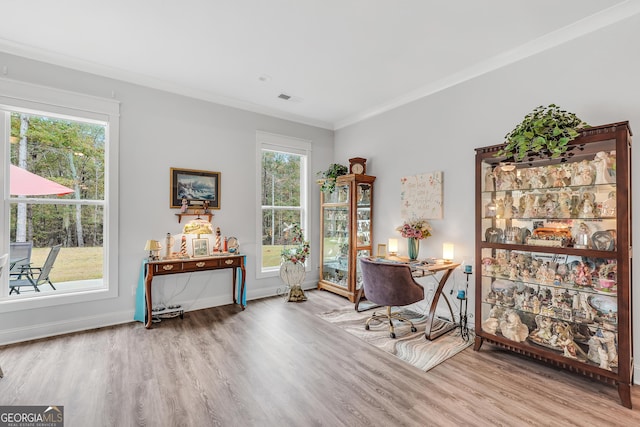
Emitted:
<point x="278" y="364"/>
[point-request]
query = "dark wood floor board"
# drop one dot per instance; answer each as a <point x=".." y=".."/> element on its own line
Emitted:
<point x="279" y="364"/>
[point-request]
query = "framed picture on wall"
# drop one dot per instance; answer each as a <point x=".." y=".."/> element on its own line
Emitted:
<point x="195" y="186"/>
<point x="200" y="247"/>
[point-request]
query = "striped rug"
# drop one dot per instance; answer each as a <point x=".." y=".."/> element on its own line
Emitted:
<point x="410" y="347"/>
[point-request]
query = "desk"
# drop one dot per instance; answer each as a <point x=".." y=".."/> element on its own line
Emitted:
<point x="423" y="270"/>
<point x="177" y="266"/>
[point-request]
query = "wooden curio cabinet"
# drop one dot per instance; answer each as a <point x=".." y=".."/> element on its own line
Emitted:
<point x="553" y="256"/>
<point x="346" y="233"/>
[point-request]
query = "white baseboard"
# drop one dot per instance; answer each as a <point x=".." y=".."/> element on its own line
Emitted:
<point x="50" y="329"/>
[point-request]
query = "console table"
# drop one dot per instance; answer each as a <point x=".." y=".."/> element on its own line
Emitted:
<point x="420" y="270"/>
<point x="177" y="266"/>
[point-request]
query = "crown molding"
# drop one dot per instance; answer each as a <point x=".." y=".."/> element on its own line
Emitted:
<point x="580" y="28"/>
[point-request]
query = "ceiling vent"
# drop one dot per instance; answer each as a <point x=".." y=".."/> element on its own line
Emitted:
<point x="284" y="96"/>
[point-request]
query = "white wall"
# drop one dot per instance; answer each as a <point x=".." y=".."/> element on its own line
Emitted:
<point x="596" y="76"/>
<point x="159" y="130"/>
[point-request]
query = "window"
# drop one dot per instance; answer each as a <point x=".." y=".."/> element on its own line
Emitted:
<point x="57" y="157"/>
<point x="283" y="189"/>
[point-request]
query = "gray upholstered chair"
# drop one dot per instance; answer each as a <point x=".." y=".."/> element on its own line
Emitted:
<point x="391" y="285"/>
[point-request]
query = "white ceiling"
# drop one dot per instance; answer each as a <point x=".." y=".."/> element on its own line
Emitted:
<point x="341" y="60"/>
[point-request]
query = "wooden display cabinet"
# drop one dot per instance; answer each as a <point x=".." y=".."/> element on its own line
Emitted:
<point x="553" y="250"/>
<point x="346" y="233"/>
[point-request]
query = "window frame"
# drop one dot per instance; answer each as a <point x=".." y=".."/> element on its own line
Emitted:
<point x="283" y="144"/>
<point x="16" y="96"/>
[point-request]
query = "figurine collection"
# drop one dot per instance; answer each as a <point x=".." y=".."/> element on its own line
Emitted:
<point x="566" y="305"/>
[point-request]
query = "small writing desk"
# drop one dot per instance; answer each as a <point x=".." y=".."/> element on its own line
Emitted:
<point x="176" y="266"/>
<point x="420" y="270"/>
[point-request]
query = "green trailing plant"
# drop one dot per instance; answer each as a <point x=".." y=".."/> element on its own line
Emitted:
<point x="544" y="131"/>
<point x="328" y="177"/>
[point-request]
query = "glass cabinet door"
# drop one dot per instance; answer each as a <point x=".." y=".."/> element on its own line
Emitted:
<point x="562" y="204"/>
<point x="559" y="302"/>
<point x="335" y="248"/>
<point x="363" y="221"/>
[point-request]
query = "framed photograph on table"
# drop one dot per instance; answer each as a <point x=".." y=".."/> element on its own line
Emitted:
<point x="200" y="247"/>
<point x="196" y="186"/>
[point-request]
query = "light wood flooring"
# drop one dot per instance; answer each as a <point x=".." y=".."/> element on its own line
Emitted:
<point x="278" y="364"/>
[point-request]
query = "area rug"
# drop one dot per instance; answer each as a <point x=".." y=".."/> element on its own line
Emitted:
<point x="410" y="347"/>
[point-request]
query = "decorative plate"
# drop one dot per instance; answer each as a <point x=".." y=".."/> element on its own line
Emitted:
<point x="603" y="241"/>
<point x="603" y="304"/>
<point x="494" y="235"/>
<point x="232" y="244"/>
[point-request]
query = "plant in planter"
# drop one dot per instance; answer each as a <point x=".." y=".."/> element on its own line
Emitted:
<point x="544" y="131"/>
<point x="328" y="177"/>
<point x="292" y="267"/>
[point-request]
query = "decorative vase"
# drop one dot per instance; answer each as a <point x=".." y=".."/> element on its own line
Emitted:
<point x="414" y="247"/>
<point x="293" y="274"/>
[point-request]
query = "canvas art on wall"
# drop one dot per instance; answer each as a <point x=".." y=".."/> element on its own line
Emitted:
<point x="421" y="196"/>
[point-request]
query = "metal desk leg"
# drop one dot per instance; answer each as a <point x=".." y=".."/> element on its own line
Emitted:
<point x="429" y="334"/>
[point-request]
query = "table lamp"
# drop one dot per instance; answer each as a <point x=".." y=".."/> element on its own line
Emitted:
<point x="153" y="246"/>
<point x="393" y="247"/>
<point x="447" y="252"/>
<point x="197" y="226"/>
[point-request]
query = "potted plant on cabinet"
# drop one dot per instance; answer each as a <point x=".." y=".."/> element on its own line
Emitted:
<point x="545" y="131"/>
<point x="328" y="177"/>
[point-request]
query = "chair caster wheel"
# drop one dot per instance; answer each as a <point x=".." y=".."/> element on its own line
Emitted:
<point x="392" y="335"/>
<point x="366" y="327"/>
<point x="413" y="329"/>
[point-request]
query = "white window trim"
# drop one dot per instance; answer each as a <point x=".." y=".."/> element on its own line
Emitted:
<point x="287" y="144"/>
<point x="16" y="95"/>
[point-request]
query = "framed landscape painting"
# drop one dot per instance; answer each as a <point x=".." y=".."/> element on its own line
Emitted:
<point x="196" y="186"/>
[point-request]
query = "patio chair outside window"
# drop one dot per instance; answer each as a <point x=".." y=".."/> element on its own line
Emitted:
<point x="42" y="274"/>
<point x="3" y="260"/>
<point x="20" y="258"/>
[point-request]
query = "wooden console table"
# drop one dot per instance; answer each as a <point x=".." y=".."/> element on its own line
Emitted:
<point x="421" y="271"/>
<point x="177" y="266"/>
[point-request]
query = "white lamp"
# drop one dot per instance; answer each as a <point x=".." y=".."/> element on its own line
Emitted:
<point x="447" y="252"/>
<point x="393" y="247"/>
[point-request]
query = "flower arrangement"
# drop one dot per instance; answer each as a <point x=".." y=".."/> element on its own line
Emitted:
<point x="300" y="251"/>
<point x="417" y="228"/>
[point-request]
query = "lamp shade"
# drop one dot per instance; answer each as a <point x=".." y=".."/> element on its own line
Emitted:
<point x="198" y="226"/>
<point x="152" y="245"/>
<point x="393" y="246"/>
<point x="447" y="251"/>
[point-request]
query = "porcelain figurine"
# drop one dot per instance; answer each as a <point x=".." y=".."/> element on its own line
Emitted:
<point x="564" y="205"/>
<point x="489" y="184"/>
<point x="609" y="206"/>
<point x="508" y="207"/>
<point x="605" y="174"/>
<point x="544" y="331"/>
<point x="529" y="206"/>
<point x="583" y="174"/>
<point x="587" y="206"/>
<point x="507" y="180"/>
<point x="513" y="328"/>
<point x="490" y="325"/>
<point x="549" y="206"/>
